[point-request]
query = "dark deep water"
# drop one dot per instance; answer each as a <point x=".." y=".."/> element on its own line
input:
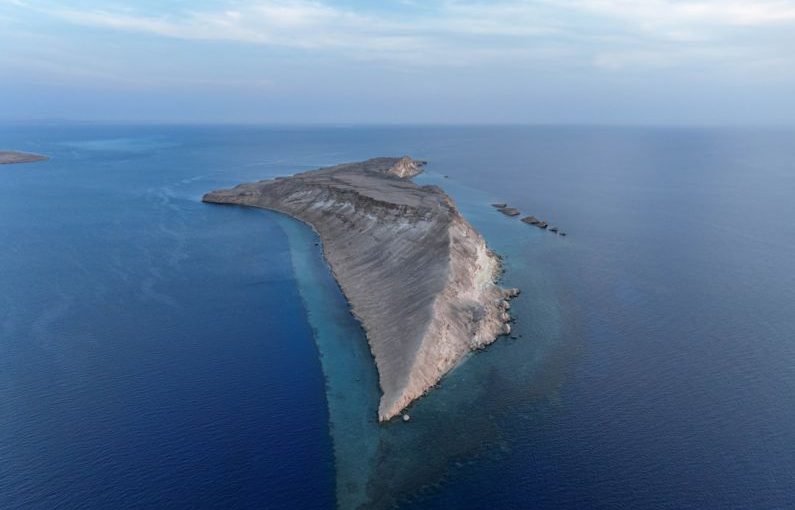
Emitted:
<point x="156" y="352"/>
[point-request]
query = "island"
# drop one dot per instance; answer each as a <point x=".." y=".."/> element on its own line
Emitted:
<point x="9" y="157"/>
<point x="418" y="277"/>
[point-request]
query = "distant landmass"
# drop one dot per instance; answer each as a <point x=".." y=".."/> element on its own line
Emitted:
<point x="8" y="157"/>
<point x="417" y="275"/>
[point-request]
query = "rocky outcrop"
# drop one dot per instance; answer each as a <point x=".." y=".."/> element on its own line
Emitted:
<point x="532" y="220"/>
<point x="509" y="211"/>
<point x="406" y="167"/>
<point x="8" y="157"/>
<point x="417" y="275"/>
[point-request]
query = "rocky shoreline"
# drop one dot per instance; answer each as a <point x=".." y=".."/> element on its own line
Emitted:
<point x="11" y="157"/>
<point x="417" y="275"/>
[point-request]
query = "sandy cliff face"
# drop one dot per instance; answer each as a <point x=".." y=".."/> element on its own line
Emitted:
<point x="405" y="167"/>
<point x="417" y="275"/>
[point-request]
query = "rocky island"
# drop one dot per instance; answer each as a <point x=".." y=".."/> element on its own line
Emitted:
<point x="417" y="275"/>
<point x="8" y="157"/>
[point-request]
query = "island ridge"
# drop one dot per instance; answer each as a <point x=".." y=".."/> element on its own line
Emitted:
<point x="417" y="275"/>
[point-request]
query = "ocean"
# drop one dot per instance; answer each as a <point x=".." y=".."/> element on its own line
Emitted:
<point x="158" y="352"/>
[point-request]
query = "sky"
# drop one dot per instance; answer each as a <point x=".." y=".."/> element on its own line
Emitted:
<point x="680" y="62"/>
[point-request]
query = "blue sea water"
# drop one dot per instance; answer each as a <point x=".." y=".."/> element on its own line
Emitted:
<point x="157" y="352"/>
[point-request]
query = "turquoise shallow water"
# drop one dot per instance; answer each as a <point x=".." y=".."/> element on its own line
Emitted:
<point x="159" y="352"/>
<point x="351" y="378"/>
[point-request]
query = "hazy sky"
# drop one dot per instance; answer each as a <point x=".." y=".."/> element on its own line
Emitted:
<point x="533" y="61"/>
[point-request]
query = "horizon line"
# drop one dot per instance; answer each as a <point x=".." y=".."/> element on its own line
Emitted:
<point x="349" y="124"/>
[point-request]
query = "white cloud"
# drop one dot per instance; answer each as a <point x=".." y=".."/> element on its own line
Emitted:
<point x="706" y="14"/>
<point x="610" y="34"/>
<point x="292" y="24"/>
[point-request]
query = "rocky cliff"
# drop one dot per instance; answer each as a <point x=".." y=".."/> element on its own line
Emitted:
<point x="417" y="275"/>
